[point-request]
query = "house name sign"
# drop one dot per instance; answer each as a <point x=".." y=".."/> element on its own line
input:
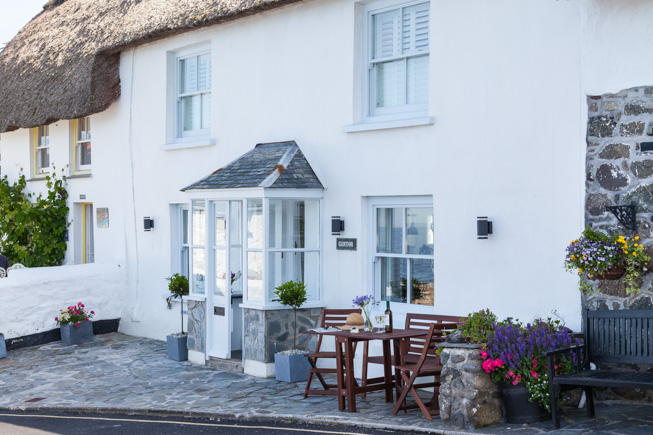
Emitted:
<point x="345" y="244"/>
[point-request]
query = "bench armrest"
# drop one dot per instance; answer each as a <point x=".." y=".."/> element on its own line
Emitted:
<point x="580" y="361"/>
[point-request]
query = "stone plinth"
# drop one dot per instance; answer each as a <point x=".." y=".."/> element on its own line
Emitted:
<point x="196" y="326"/>
<point x="468" y="397"/>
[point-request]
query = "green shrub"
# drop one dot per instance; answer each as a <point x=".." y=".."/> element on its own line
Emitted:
<point x="178" y="287"/>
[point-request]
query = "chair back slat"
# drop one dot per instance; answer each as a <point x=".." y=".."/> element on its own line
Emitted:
<point x="334" y="317"/>
<point x="445" y="325"/>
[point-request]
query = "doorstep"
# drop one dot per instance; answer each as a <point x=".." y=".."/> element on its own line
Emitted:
<point x="227" y="365"/>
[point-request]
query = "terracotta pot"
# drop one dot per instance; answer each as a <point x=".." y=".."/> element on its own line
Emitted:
<point x="615" y="272"/>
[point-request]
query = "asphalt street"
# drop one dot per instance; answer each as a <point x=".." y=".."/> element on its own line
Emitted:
<point x="31" y="423"/>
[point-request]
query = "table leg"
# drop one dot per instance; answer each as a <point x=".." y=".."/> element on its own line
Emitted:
<point x="340" y="375"/>
<point x="387" y="370"/>
<point x="349" y="369"/>
<point x="397" y="344"/>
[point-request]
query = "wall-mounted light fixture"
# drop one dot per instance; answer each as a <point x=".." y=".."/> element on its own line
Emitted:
<point x="483" y="227"/>
<point x="148" y="223"/>
<point x="337" y="225"/>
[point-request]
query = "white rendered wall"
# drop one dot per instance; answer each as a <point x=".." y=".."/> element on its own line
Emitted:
<point x="507" y="143"/>
<point x="30" y="299"/>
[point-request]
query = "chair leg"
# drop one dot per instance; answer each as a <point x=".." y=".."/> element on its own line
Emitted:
<point x="408" y="383"/>
<point x="554" y="392"/>
<point x="590" y="401"/>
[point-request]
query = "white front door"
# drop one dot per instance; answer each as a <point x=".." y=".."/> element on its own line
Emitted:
<point x="227" y="257"/>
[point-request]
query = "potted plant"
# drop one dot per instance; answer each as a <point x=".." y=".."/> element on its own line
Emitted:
<point x="598" y="256"/>
<point x="291" y="365"/>
<point x="178" y="343"/>
<point x="366" y="303"/>
<point x="515" y="360"/>
<point x="75" y="324"/>
<point x="3" y="346"/>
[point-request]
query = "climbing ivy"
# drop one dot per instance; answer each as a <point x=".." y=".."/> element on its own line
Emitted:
<point x="33" y="233"/>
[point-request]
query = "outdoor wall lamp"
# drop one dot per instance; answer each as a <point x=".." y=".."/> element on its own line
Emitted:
<point x="337" y="225"/>
<point x="148" y="223"/>
<point x="483" y="227"/>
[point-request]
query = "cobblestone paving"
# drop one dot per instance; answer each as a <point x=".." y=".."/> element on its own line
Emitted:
<point x="122" y="373"/>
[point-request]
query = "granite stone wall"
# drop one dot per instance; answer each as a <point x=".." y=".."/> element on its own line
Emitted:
<point x="468" y="398"/>
<point x="620" y="171"/>
<point x="196" y="326"/>
<point x="271" y="331"/>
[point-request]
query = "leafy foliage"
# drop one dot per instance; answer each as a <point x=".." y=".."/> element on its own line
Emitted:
<point x="478" y="326"/>
<point x="595" y="253"/>
<point x="34" y="234"/>
<point x="292" y="294"/>
<point x="178" y="286"/>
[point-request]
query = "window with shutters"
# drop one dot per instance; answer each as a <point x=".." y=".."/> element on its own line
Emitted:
<point x="193" y="71"/>
<point x="41" y="150"/>
<point x="397" y="62"/>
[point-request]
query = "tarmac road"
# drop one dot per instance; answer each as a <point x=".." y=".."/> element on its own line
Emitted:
<point x="48" y="423"/>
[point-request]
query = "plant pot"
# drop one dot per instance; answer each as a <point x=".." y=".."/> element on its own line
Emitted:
<point x="615" y="272"/>
<point x="3" y="347"/>
<point x="518" y="408"/>
<point x="71" y="334"/>
<point x="291" y="368"/>
<point x="177" y="347"/>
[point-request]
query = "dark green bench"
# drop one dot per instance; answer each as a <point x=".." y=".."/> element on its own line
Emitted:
<point x="611" y="336"/>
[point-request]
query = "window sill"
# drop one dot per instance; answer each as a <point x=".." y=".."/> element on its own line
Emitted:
<point x="398" y="123"/>
<point x="37" y="178"/>
<point x="255" y="306"/>
<point x="80" y="175"/>
<point x="196" y="297"/>
<point x="189" y="144"/>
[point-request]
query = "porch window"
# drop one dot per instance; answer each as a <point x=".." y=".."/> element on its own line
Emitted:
<point x="404" y="253"/>
<point x="294" y="244"/>
<point x="198" y="243"/>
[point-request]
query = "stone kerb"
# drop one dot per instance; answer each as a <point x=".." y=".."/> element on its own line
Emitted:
<point x="468" y="397"/>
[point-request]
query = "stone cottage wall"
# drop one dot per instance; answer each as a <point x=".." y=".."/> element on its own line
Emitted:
<point x="620" y="171"/>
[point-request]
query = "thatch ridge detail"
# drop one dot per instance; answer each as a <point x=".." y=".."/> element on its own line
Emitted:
<point x="64" y="64"/>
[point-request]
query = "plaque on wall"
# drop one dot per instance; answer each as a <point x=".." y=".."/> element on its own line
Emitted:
<point x="218" y="311"/>
<point x="345" y="244"/>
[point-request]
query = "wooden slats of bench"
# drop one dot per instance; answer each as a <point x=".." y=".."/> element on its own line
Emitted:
<point x="608" y="378"/>
<point x="620" y="336"/>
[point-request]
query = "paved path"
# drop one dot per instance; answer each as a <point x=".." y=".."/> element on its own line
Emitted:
<point x="117" y="372"/>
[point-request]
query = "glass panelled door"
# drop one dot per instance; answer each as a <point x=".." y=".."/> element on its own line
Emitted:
<point x="226" y="236"/>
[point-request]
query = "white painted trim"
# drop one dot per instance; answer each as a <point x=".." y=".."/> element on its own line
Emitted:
<point x="195" y="357"/>
<point x="397" y="123"/>
<point x="195" y="297"/>
<point x="259" y="369"/>
<point x="278" y="306"/>
<point x="180" y="145"/>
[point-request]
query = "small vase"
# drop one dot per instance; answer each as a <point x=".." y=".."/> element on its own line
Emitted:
<point x="367" y="327"/>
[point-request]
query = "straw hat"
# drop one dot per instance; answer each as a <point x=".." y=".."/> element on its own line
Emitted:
<point x="354" y="320"/>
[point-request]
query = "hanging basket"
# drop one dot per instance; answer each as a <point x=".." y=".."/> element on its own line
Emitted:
<point x="614" y="273"/>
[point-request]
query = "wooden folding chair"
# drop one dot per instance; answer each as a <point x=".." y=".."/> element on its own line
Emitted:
<point x="428" y="364"/>
<point x="415" y="345"/>
<point x="330" y="318"/>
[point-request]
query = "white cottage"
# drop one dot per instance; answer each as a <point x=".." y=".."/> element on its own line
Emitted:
<point x="406" y="120"/>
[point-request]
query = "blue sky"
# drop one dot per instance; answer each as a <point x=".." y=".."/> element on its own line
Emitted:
<point x="14" y="14"/>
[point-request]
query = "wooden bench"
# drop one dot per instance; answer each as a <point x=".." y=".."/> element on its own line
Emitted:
<point x="611" y="336"/>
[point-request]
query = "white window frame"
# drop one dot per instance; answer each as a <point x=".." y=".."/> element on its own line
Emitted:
<point x="371" y="114"/>
<point x="77" y="145"/>
<point x="180" y="134"/>
<point x="374" y="275"/>
<point x="40" y="171"/>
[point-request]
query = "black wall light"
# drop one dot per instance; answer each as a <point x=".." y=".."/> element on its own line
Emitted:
<point x="483" y="227"/>
<point x="337" y="225"/>
<point x="148" y="223"/>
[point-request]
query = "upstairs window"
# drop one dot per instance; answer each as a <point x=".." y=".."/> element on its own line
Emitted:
<point x="83" y="144"/>
<point x="194" y="94"/>
<point x="41" y="150"/>
<point x="397" y="46"/>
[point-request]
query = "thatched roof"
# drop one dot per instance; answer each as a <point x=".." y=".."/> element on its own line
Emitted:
<point x="64" y="63"/>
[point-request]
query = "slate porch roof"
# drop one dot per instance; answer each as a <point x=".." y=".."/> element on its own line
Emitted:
<point x="273" y="165"/>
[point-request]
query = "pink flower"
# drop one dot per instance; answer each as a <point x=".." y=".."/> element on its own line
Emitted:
<point x="484" y="354"/>
<point x="92" y="312"/>
<point x="77" y="324"/>
<point x="515" y="382"/>
<point x="488" y="366"/>
<point x="510" y="374"/>
<point x="79" y="304"/>
<point x="56" y="318"/>
<point x="86" y="320"/>
<point x="76" y="312"/>
<point x="498" y="362"/>
<point x="534" y="374"/>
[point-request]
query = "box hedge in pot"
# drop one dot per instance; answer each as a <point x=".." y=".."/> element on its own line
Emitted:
<point x="291" y="365"/>
<point x="178" y="343"/>
<point x="75" y="323"/>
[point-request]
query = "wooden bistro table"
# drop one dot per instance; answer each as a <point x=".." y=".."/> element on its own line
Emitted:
<point x="347" y="385"/>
